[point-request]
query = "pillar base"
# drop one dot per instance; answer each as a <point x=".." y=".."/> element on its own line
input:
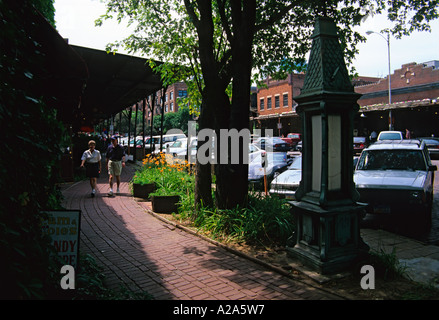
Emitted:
<point x="328" y="240"/>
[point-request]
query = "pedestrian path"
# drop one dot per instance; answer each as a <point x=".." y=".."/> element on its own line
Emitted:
<point x="421" y="261"/>
<point x="144" y="253"/>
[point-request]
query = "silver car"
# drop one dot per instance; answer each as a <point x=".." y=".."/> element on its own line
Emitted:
<point x="286" y="184"/>
<point x="396" y="177"/>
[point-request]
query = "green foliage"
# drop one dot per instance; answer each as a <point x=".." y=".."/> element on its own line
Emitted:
<point x="31" y="150"/>
<point x="266" y="220"/>
<point x="170" y="176"/>
<point x="387" y="265"/>
<point x="173" y="120"/>
<point x="47" y="9"/>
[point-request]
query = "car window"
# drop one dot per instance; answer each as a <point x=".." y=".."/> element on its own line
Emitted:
<point x="390" y="136"/>
<point x="277" y="140"/>
<point x="392" y="160"/>
<point x="431" y="141"/>
<point x="278" y="156"/>
<point x="427" y="156"/>
<point x="296" y="165"/>
<point x="176" y="144"/>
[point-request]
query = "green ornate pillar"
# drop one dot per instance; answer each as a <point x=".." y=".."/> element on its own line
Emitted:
<point x="328" y="233"/>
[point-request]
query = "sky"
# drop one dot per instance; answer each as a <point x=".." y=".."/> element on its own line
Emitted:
<point x="75" y="21"/>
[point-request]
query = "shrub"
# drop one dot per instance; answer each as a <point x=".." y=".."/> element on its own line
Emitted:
<point x="170" y="176"/>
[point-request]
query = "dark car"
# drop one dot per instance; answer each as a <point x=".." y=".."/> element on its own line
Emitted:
<point x="277" y="162"/>
<point x="432" y="146"/>
<point x="359" y="144"/>
<point x="272" y="144"/>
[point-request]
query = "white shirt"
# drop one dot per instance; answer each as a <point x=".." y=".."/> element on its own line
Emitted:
<point x="91" y="157"/>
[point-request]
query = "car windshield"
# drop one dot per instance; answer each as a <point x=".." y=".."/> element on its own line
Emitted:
<point x="431" y="141"/>
<point x="176" y="144"/>
<point x="359" y="139"/>
<point x="390" y="136"/>
<point x="391" y="160"/>
<point x="297" y="164"/>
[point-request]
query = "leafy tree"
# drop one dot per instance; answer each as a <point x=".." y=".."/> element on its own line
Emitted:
<point x="31" y="150"/>
<point x="222" y="41"/>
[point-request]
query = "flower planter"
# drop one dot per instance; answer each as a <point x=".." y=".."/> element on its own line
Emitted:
<point x="143" y="190"/>
<point x="165" y="204"/>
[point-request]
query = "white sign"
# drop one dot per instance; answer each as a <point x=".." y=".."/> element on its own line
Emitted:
<point x="63" y="227"/>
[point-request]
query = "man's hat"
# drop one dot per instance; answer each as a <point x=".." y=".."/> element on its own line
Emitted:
<point x="113" y="138"/>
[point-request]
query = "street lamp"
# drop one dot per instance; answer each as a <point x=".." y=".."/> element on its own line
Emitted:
<point x="388" y="58"/>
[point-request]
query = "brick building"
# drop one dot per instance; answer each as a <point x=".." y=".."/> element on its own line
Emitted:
<point x="414" y="102"/>
<point x="409" y="83"/>
<point x="275" y="106"/>
<point x="173" y="92"/>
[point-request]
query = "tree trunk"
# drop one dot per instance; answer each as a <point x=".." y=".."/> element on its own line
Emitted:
<point x="232" y="179"/>
<point x="203" y="177"/>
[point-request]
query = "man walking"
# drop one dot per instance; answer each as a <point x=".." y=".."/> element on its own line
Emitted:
<point x="115" y="162"/>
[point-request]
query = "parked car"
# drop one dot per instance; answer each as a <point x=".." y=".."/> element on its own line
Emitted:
<point x="272" y="144"/>
<point x="286" y="183"/>
<point x="359" y="144"/>
<point x="167" y="140"/>
<point x="277" y="162"/>
<point x="390" y="135"/>
<point x="176" y="147"/>
<point x="396" y="177"/>
<point x="432" y="146"/>
<point x="292" y="139"/>
<point x="253" y="151"/>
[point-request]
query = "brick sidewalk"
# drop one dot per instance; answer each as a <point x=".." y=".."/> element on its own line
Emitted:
<point x="144" y="253"/>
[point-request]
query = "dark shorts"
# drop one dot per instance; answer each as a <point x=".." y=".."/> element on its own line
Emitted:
<point x="92" y="170"/>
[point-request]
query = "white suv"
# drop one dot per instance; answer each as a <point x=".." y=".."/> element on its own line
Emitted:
<point x="396" y="177"/>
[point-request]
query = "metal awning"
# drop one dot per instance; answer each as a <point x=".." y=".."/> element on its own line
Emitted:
<point x="115" y="82"/>
<point x="86" y="85"/>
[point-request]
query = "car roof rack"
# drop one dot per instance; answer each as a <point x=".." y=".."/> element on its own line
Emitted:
<point x="418" y="142"/>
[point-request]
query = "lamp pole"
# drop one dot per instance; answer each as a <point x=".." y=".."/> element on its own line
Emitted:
<point x="388" y="59"/>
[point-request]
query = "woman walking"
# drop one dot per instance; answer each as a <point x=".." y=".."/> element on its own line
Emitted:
<point x="91" y="159"/>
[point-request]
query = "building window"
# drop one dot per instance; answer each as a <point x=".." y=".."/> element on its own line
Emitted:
<point x="268" y="103"/>
<point x="166" y="107"/>
<point x="171" y="95"/>
<point x="276" y="102"/>
<point x="182" y="93"/>
<point x="285" y="98"/>
<point x="261" y="104"/>
<point x="171" y="105"/>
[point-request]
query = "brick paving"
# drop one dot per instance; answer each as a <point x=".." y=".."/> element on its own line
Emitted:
<point x="143" y="253"/>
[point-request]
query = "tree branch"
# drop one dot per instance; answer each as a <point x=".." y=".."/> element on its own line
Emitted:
<point x="190" y="10"/>
<point x="277" y="16"/>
